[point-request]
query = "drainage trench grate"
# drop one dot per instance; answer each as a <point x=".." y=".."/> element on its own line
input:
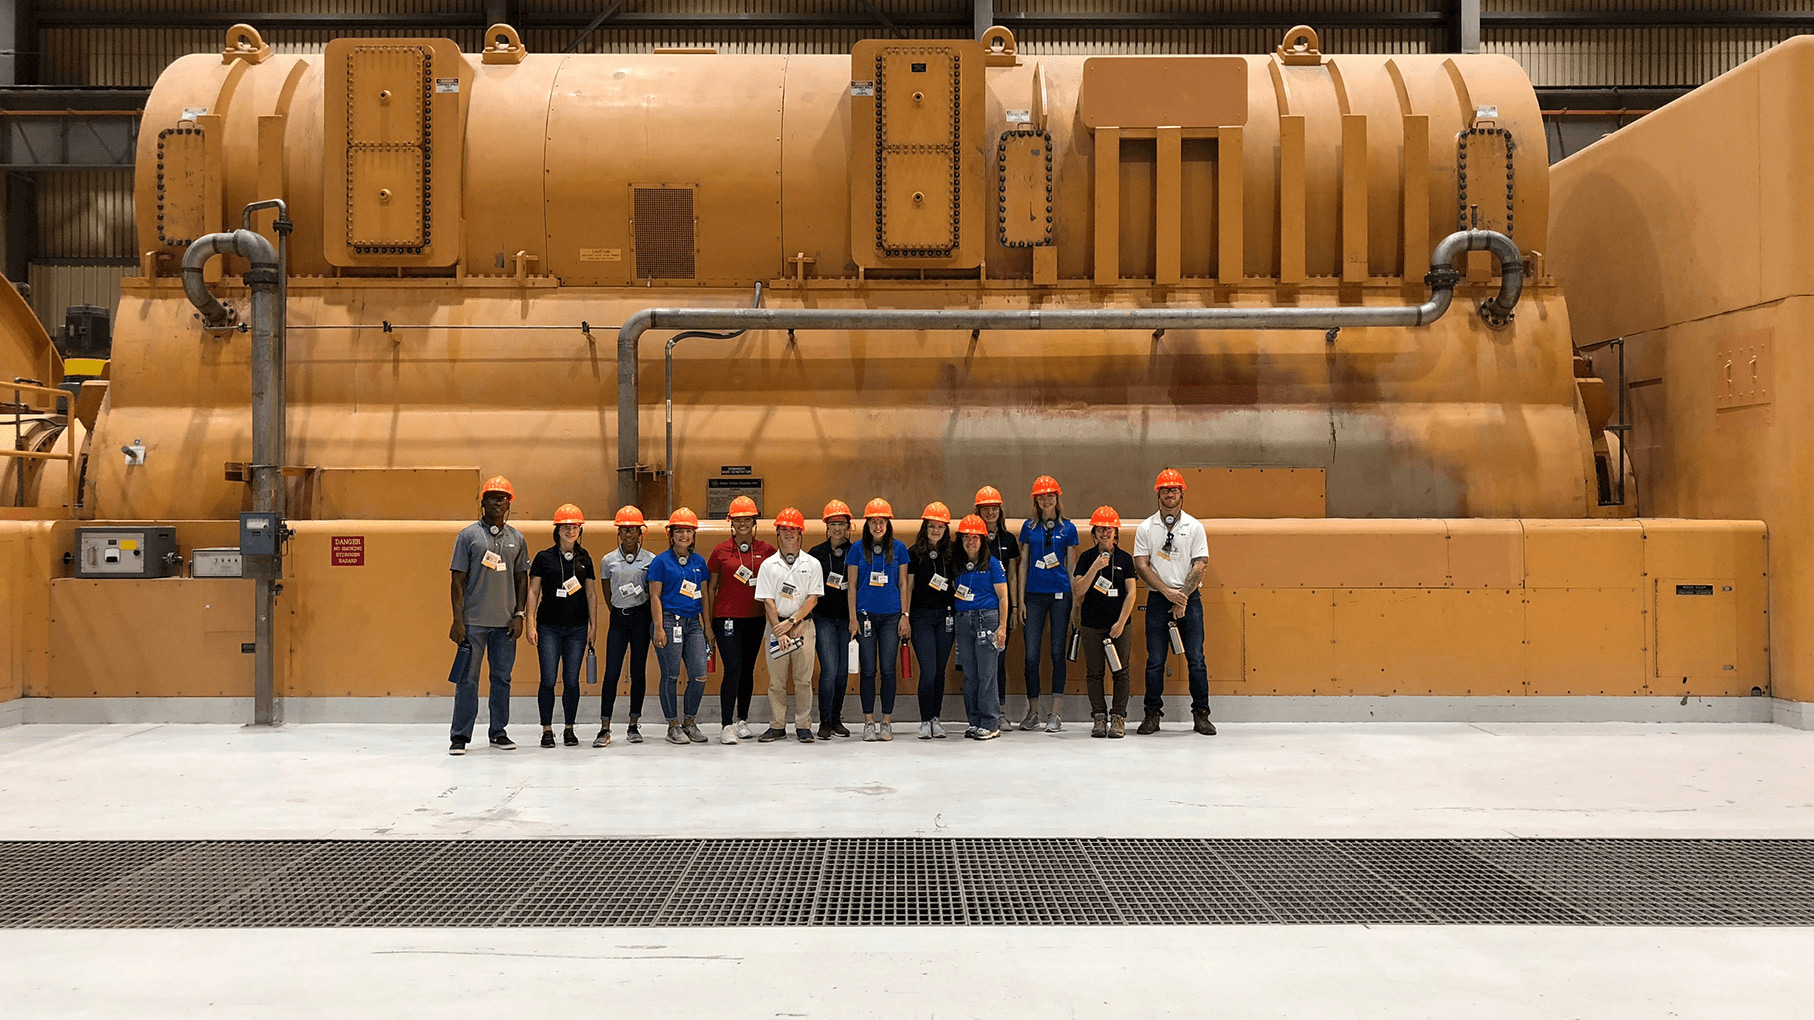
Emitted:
<point x="903" y="882"/>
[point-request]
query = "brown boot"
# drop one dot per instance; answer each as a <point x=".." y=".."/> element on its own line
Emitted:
<point x="1101" y="728"/>
<point x="1200" y="722"/>
<point x="1150" y="724"/>
<point x="825" y="731"/>
<point x="1117" y="726"/>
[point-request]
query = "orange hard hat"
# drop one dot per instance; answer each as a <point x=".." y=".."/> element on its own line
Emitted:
<point x="790" y="518"/>
<point x="936" y="511"/>
<point x="988" y="495"/>
<point x="629" y="517"/>
<point x="567" y="513"/>
<point x="836" y="508"/>
<point x="1044" y="484"/>
<point x="743" y="506"/>
<point x="1105" y="517"/>
<point x="972" y="525"/>
<point x="878" y="507"/>
<point x="1169" y="479"/>
<point x="497" y="483"/>
<point x="683" y="518"/>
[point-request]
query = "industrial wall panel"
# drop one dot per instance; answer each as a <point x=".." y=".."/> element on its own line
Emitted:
<point x="185" y="636"/>
<point x="56" y="287"/>
<point x="134" y="57"/>
<point x="1628" y="56"/>
<point x="86" y="214"/>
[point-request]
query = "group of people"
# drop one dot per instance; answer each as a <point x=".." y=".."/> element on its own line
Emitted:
<point x="810" y="611"/>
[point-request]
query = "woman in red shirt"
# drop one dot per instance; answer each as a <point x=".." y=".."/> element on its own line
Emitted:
<point x="739" y="618"/>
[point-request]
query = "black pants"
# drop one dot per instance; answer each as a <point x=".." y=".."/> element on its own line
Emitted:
<point x="738" y="649"/>
<point x="932" y="650"/>
<point x="629" y="632"/>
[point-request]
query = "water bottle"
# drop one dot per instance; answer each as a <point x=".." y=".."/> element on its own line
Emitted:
<point x="1076" y="643"/>
<point x="1171" y="628"/>
<point x="1114" y="657"/>
<point x="591" y="667"/>
<point x="906" y="670"/>
<point x="853" y="652"/>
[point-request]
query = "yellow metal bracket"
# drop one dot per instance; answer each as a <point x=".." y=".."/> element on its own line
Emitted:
<point x="244" y="43"/>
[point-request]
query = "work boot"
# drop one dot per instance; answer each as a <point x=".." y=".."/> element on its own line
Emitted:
<point x="691" y="729"/>
<point x="838" y="728"/>
<point x="1150" y="724"/>
<point x="1200" y="722"/>
<point x="825" y="731"/>
<point x="1117" y="725"/>
<point x="676" y="735"/>
<point x="1099" y="725"/>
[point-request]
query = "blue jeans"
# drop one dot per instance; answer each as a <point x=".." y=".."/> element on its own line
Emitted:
<point x="834" y="664"/>
<point x="932" y="650"/>
<point x="562" y="651"/>
<point x="977" y="657"/>
<point x="884" y="638"/>
<point x="1158" y="647"/>
<point x="690" y="650"/>
<point x="628" y="633"/>
<point x="1044" y="608"/>
<point x="496" y="646"/>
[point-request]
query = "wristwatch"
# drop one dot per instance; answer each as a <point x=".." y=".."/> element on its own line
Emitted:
<point x="519" y="614"/>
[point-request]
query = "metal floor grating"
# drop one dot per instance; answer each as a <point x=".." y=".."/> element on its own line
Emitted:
<point x="750" y="882"/>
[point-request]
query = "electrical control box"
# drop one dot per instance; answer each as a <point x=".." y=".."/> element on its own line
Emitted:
<point x="221" y="562"/>
<point x="258" y="533"/>
<point x="127" y="552"/>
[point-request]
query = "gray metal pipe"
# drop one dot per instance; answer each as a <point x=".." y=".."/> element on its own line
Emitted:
<point x="266" y="278"/>
<point x="1441" y="280"/>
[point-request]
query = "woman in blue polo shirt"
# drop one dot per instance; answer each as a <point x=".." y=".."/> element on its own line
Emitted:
<point x="677" y="582"/>
<point x="876" y="574"/>
<point x="1048" y="554"/>
<point x="979" y="593"/>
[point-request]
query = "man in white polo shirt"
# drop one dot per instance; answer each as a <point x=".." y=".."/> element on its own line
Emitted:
<point x="1171" y="552"/>
<point x="788" y="585"/>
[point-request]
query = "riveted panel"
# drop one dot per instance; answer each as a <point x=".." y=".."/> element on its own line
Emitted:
<point x="919" y="205"/>
<point x="1025" y="188"/>
<point x="918" y="92"/>
<point x="387" y="94"/>
<point x="185" y="180"/>
<point x="384" y="189"/>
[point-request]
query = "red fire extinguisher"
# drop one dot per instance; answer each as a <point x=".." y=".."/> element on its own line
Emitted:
<point x="906" y="672"/>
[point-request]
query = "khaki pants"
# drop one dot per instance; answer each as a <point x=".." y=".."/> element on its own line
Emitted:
<point x="797" y="666"/>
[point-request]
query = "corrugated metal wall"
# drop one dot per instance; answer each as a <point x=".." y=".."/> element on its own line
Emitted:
<point x="55" y="287"/>
<point x="86" y="214"/>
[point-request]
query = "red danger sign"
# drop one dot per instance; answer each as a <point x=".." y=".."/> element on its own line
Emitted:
<point x="348" y="550"/>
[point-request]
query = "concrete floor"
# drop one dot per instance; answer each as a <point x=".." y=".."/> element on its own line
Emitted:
<point x="150" y="781"/>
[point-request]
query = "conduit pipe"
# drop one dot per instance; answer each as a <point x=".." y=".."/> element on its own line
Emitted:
<point x="265" y="278"/>
<point x="1441" y="280"/>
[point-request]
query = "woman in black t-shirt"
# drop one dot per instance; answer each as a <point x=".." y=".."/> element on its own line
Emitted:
<point x="1104" y="590"/>
<point x="932" y="619"/>
<point x="563" y="602"/>
<point x="1005" y="547"/>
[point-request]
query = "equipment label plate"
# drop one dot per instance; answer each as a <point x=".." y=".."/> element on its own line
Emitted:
<point x="862" y="88"/>
<point x="348" y="550"/>
<point x="447" y="86"/>
<point x="601" y="254"/>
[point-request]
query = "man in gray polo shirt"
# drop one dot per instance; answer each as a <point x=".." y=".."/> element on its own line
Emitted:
<point x="490" y="588"/>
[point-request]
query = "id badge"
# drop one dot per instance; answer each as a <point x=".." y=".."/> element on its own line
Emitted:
<point x="629" y="590"/>
<point x="835" y="581"/>
<point x="729" y="628"/>
<point x="1048" y="562"/>
<point x="568" y="587"/>
<point x="1102" y="585"/>
<point x="878" y="579"/>
<point x="788" y="589"/>
<point x="950" y="622"/>
<point x="964" y="594"/>
<point x="677" y="632"/>
<point x="1058" y="596"/>
<point x="493" y="560"/>
<point x="938" y="583"/>
<point x="689" y="590"/>
<point x="745" y="575"/>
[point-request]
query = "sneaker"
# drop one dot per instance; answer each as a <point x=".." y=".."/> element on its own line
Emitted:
<point x="1052" y="723"/>
<point x="727" y="735"/>
<point x="1117" y="726"/>
<point x="840" y="729"/>
<point x="987" y="734"/>
<point x="825" y="731"/>
<point x="1200" y="722"/>
<point x="457" y="747"/>
<point x="691" y="729"/>
<point x="634" y="734"/>
<point x="938" y="731"/>
<point x="547" y="738"/>
<point x="772" y="734"/>
<point x="1150" y="724"/>
<point x="743" y="730"/>
<point x="887" y="730"/>
<point x="675" y="734"/>
<point x="805" y="735"/>
<point x="1099" y="725"/>
<point x="504" y="743"/>
<point x="869" y="731"/>
<point x="926" y="730"/>
<point x="1007" y="725"/>
<point x="604" y="737"/>
<point x="969" y="733"/>
<point x="1031" y="722"/>
<point x="569" y="738"/>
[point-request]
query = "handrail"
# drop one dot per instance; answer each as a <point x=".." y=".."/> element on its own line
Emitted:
<point x="21" y="409"/>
